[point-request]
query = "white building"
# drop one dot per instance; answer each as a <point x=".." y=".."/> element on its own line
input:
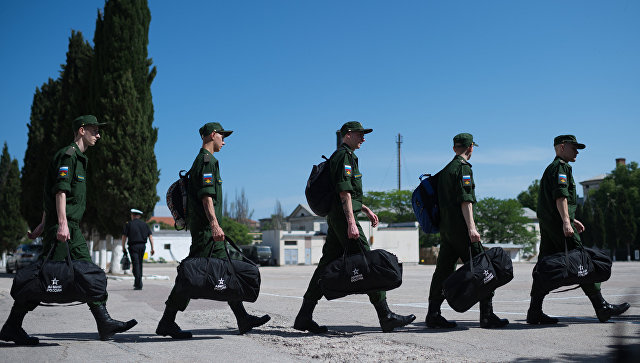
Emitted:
<point x="305" y="234"/>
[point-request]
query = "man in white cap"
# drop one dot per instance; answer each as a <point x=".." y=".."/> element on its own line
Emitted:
<point x="137" y="231"/>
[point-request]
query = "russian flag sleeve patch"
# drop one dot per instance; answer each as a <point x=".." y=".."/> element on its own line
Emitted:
<point x="207" y="179"/>
<point x="562" y="179"/>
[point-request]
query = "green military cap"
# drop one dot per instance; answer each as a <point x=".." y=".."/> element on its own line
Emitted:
<point x="353" y="126"/>
<point x="464" y="139"/>
<point x="567" y="139"/>
<point x="210" y="127"/>
<point x="86" y="120"/>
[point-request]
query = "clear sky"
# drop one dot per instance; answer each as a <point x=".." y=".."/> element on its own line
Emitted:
<point x="285" y="75"/>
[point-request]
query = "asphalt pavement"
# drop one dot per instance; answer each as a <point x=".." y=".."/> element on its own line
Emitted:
<point x="69" y="333"/>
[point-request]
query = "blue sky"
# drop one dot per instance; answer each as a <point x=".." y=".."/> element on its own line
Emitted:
<point x="284" y="75"/>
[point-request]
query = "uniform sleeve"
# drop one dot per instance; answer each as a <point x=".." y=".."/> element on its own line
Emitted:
<point x="65" y="170"/>
<point x="206" y="181"/>
<point x="560" y="182"/>
<point x="125" y="230"/>
<point x="466" y="185"/>
<point x="343" y="174"/>
<point x="148" y="230"/>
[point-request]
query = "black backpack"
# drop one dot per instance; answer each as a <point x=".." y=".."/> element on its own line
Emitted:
<point x="177" y="200"/>
<point x="425" y="203"/>
<point x="319" y="190"/>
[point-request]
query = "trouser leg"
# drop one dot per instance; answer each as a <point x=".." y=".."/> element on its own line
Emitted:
<point x="137" y="254"/>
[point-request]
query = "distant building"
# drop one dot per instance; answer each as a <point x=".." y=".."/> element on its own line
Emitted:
<point x="593" y="183"/>
<point x="301" y="238"/>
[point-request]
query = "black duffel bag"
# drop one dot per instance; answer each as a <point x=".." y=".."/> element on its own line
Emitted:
<point x="219" y="279"/>
<point x="477" y="278"/>
<point x="60" y="282"/>
<point x="581" y="265"/>
<point x="361" y="273"/>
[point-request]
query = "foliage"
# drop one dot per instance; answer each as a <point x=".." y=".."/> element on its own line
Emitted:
<point x="41" y="146"/>
<point x="240" y="210"/>
<point x="614" y="209"/>
<point x="502" y="221"/>
<point x="124" y="171"/>
<point x="391" y="206"/>
<point x="529" y="197"/>
<point x="12" y="227"/>
<point x="238" y="232"/>
<point x="428" y="239"/>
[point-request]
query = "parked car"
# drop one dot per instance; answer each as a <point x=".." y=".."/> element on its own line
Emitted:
<point x="258" y="254"/>
<point x="24" y="255"/>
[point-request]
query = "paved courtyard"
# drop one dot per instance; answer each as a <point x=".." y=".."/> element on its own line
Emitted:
<point x="69" y="333"/>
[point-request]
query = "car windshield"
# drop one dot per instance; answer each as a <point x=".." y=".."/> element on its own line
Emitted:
<point x="264" y="249"/>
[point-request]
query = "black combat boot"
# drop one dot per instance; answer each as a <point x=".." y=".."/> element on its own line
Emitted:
<point x="489" y="320"/>
<point x="108" y="327"/>
<point x="246" y="322"/>
<point x="435" y="319"/>
<point x="390" y="320"/>
<point x="12" y="330"/>
<point x="168" y="326"/>
<point x="604" y="310"/>
<point x="304" y="320"/>
<point x="535" y="314"/>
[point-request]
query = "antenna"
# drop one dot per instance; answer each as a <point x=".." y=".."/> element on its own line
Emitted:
<point x="399" y="141"/>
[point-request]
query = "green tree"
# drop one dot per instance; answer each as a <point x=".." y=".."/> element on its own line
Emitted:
<point x="503" y="221"/>
<point x="391" y="206"/>
<point x="529" y="197"/>
<point x="124" y="172"/>
<point x="626" y="222"/>
<point x="12" y="226"/>
<point x="74" y="92"/>
<point x="42" y="144"/>
<point x="238" y="232"/>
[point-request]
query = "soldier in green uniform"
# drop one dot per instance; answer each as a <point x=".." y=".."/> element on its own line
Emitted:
<point x="557" y="204"/>
<point x="344" y="231"/>
<point x="204" y="207"/>
<point x="64" y="204"/>
<point x="456" y="195"/>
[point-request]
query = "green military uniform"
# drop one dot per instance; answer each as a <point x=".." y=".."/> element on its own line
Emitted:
<point x="455" y="186"/>
<point x="204" y="180"/>
<point x="67" y="172"/>
<point x="557" y="182"/>
<point x="346" y="176"/>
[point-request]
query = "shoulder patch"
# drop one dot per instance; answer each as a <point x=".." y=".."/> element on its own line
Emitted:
<point x="207" y="158"/>
<point x="63" y="172"/>
<point x="347" y="170"/>
<point x="562" y="179"/>
<point x="71" y="150"/>
<point x="207" y="179"/>
<point x="466" y="179"/>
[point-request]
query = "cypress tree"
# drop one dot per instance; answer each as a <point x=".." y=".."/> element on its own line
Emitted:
<point x="124" y="169"/>
<point x="12" y="226"/>
<point x="75" y="96"/>
<point x="41" y="145"/>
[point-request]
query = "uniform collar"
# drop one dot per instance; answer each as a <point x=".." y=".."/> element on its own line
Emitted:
<point x="561" y="160"/>
<point x="344" y="145"/>
<point x="77" y="149"/>
<point x="207" y="152"/>
<point x="462" y="160"/>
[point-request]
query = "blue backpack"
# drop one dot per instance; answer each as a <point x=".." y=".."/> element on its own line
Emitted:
<point x="425" y="203"/>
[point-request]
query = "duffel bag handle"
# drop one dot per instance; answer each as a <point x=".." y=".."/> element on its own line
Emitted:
<point x="471" y="254"/>
<point x="362" y="252"/>
<point x="55" y="245"/>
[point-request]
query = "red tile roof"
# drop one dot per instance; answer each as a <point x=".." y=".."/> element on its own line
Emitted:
<point x="167" y="220"/>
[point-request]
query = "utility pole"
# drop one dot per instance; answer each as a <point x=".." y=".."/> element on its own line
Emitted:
<point x="399" y="141"/>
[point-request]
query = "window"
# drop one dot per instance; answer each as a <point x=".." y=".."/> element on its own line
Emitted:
<point x="290" y="243"/>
